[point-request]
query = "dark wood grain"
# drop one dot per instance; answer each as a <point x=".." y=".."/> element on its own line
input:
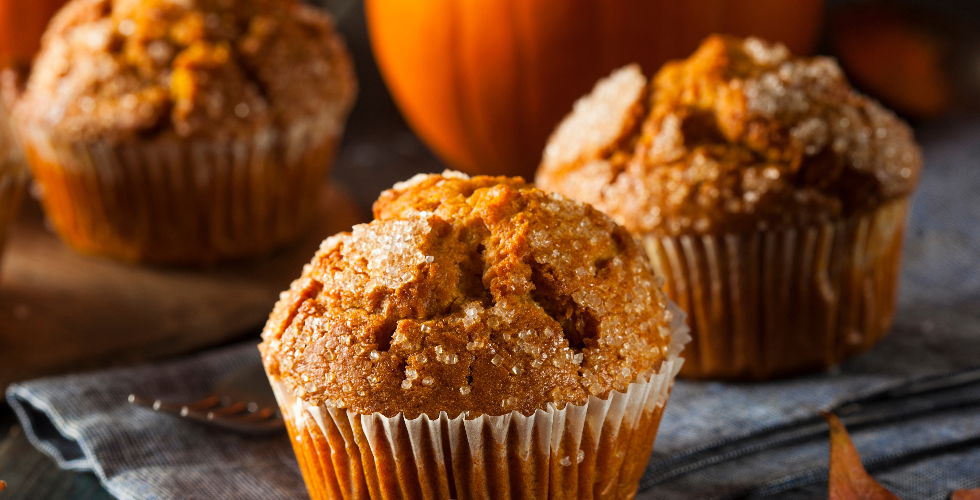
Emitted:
<point x="63" y="311"/>
<point x="31" y="475"/>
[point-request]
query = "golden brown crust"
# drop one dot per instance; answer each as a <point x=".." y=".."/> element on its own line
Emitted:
<point x="111" y="69"/>
<point x="484" y="295"/>
<point x="740" y="136"/>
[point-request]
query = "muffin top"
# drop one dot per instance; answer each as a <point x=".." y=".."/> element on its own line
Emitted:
<point x="478" y="295"/>
<point x="115" y="69"/>
<point x="739" y="136"/>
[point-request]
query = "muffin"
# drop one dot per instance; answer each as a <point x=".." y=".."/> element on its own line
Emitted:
<point x="166" y="131"/>
<point x="479" y="339"/>
<point x="769" y="194"/>
<point x="13" y="174"/>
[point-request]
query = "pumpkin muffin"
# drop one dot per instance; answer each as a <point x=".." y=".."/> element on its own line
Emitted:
<point x="456" y="346"/>
<point x="13" y="174"/>
<point x="770" y="195"/>
<point x="182" y="132"/>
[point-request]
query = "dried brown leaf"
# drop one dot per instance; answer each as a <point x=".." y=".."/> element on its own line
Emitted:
<point x="848" y="478"/>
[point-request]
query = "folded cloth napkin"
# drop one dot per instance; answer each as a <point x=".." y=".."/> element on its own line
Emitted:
<point x="930" y="447"/>
<point x="85" y="423"/>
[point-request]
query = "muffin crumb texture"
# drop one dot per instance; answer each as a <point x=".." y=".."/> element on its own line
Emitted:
<point x="482" y="295"/>
<point x="740" y="136"/>
<point x="112" y="69"/>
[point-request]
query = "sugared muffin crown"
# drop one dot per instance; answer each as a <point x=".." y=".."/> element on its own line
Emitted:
<point x="111" y="69"/>
<point x="739" y="136"/>
<point x="482" y="295"/>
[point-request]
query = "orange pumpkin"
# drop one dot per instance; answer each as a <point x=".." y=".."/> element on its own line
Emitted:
<point x="485" y="81"/>
<point x="22" y="22"/>
<point x="896" y="56"/>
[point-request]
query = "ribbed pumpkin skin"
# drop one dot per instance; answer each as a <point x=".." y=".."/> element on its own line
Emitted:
<point x="22" y="22"/>
<point x="484" y="82"/>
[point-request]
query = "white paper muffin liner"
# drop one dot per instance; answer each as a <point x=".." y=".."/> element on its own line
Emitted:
<point x="595" y="450"/>
<point x="769" y="303"/>
<point x="183" y="201"/>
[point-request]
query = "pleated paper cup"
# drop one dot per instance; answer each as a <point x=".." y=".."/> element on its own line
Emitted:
<point x="183" y="201"/>
<point x="783" y="301"/>
<point x="595" y="450"/>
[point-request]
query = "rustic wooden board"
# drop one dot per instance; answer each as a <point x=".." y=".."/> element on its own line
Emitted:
<point x="30" y="474"/>
<point x="62" y="311"/>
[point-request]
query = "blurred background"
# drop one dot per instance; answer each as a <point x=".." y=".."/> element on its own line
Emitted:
<point x="483" y="82"/>
<point x="920" y="58"/>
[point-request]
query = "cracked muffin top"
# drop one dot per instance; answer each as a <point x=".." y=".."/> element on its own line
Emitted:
<point x="113" y="69"/>
<point x="739" y="136"/>
<point x="481" y="295"/>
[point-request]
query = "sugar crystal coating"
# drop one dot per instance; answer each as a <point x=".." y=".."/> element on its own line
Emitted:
<point x="528" y="299"/>
<point x="112" y="69"/>
<point x="739" y="136"/>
